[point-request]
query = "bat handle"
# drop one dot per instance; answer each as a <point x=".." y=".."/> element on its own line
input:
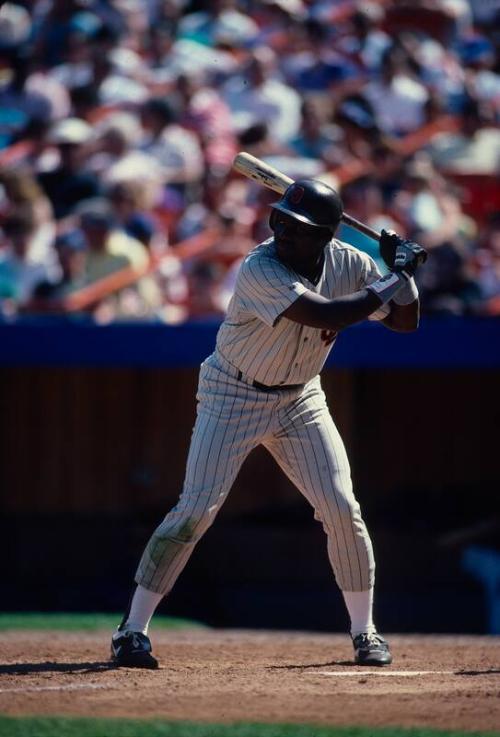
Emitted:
<point x="358" y="225"/>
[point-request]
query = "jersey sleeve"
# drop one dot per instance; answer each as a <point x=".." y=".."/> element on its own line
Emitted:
<point x="368" y="271"/>
<point x="266" y="288"/>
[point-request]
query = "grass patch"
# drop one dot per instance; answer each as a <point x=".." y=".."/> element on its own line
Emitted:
<point x="89" y="622"/>
<point x="77" y="727"/>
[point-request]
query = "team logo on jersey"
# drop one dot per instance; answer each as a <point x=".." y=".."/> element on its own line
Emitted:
<point x="296" y="194"/>
<point x="328" y="336"/>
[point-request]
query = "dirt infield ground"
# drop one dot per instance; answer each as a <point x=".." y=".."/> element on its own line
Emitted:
<point x="448" y="682"/>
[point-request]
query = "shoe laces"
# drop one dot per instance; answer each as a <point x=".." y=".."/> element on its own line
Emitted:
<point x="136" y="642"/>
<point x="135" y="637"/>
<point x="369" y="638"/>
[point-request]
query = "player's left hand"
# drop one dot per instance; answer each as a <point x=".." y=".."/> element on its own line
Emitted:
<point x="401" y="256"/>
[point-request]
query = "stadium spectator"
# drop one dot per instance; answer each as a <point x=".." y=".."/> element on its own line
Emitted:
<point x="115" y="153"/>
<point x="280" y="23"/>
<point x="397" y="97"/>
<point x="317" y="138"/>
<point x="24" y="112"/>
<point x="448" y="285"/>
<point x="366" y="40"/>
<point x="175" y="148"/>
<point x="25" y="75"/>
<point x="480" y="59"/>
<point x="111" y="250"/>
<point x="428" y="207"/>
<point x="117" y="158"/>
<point x="319" y="69"/>
<point x="202" y="297"/>
<point x="205" y="112"/>
<point x="15" y="25"/>
<point x="113" y="77"/>
<point x="71" y="249"/>
<point x="355" y="118"/>
<point x="257" y="94"/>
<point x="474" y="148"/>
<point x="21" y="190"/>
<point x="168" y="56"/>
<point x="210" y="279"/>
<point x="69" y="180"/>
<point x="73" y="65"/>
<point x="439" y="69"/>
<point x="62" y="26"/>
<point x="20" y="271"/>
<point x="129" y="202"/>
<point x="219" y="22"/>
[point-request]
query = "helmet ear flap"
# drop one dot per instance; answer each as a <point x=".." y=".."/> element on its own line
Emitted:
<point x="272" y="219"/>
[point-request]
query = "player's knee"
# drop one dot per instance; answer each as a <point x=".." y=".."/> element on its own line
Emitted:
<point x="187" y="531"/>
<point x="184" y="530"/>
<point x="344" y="510"/>
<point x="190" y="529"/>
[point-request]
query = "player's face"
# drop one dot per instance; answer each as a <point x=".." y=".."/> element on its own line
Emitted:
<point x="297" y="244"/>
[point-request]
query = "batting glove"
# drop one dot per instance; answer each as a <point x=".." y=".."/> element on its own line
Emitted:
<point x="408" y="255"/>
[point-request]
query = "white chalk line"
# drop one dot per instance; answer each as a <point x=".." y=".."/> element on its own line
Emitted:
<point x="67" y="687"/>
<point x="383" y="672"/>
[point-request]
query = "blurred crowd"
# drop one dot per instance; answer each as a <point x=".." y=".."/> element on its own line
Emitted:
<point x="120" y="120"/>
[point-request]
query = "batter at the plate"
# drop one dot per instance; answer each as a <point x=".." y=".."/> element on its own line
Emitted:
<point x="261" y="386"/>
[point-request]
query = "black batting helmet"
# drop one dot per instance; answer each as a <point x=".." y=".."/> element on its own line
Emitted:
<point x="312" y="202"/>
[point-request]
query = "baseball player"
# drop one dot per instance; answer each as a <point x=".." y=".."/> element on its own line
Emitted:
<point x="294" y="293"/>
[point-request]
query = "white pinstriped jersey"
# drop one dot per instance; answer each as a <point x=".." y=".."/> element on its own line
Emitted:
<point x="272" y="349"/>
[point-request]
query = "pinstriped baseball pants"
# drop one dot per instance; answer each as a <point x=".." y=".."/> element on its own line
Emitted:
<point x="296" y="427"/>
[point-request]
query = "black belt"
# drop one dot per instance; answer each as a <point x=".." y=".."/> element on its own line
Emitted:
<point x="272" y="388"/>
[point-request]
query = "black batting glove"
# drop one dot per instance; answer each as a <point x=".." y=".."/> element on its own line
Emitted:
<point x="388" y="242"/>
<point x="406" y="256"/>
<point x="409" y="256"/>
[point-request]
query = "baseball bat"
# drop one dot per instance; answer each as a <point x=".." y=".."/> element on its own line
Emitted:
<point x="270" y="177"/>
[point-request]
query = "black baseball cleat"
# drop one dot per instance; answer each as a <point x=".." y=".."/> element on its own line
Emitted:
<point x="132" y="650"/>
<point x="371" y="649"/>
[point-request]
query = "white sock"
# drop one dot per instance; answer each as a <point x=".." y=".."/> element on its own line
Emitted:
<point x="142" y="608"/>
<point x="360" y="607"/>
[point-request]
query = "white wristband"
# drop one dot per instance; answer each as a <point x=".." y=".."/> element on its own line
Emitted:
<point x="386" y="287"/>
<point x="407" y="294"/>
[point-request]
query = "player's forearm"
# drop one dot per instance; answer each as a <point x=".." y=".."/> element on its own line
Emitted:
<point x="405" y="309"/>
<point x="351" y="309"/>
<point x="341" y="312"/>
<point x="334" y="314"/>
